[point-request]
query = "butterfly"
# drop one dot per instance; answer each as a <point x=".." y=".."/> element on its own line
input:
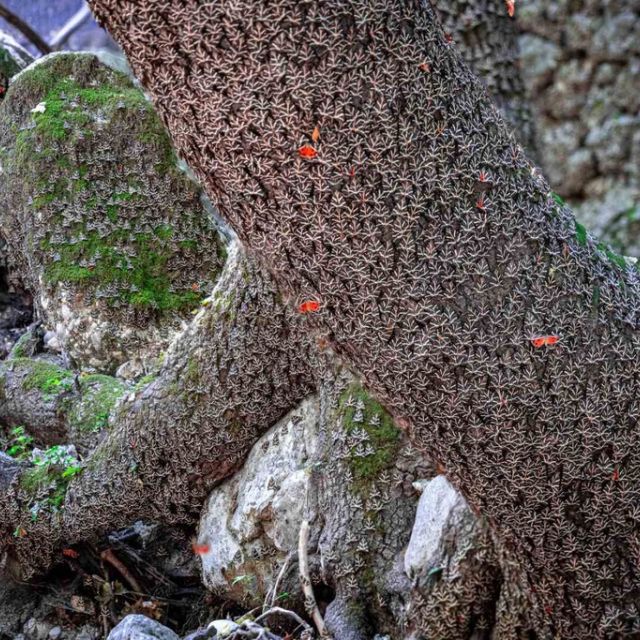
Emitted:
<point x="511" y="7"/>
<point x="309" y="306"/>
<point x="307" y="152"/>
<point x="542" y="341"/>
<point x="200" y="549"/>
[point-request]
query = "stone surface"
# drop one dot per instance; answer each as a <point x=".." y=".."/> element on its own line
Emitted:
<point x="251" y="522"/>
<point x="364" y="481"/>
<point x="441" y="511"/>
<point x="137" y="627"/>
<point x="581" y="65"/>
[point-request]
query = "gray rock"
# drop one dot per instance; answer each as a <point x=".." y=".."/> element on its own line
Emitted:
<point x="581" y="66"/>
<point x="539" y="60"/>
<point x="253" y="519"/>
<point x="440" y="509"/>
<point x="223" y="628"/>
<point x="137" y="627"/>
<point x="87" y="632"/>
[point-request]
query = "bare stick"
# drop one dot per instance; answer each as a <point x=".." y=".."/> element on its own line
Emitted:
<point x="271" y="596"/>
<point x="24" y="28"/>
<point x="70" y="27"/>
<point x="284" y="612"/>
<point x="110" y="557"/>
<point x="305" y="581"/>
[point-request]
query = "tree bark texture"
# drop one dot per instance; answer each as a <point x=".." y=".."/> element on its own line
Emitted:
<point x="498" y="333"/>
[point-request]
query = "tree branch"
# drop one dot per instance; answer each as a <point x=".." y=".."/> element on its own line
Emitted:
<point x="17" y="22"/>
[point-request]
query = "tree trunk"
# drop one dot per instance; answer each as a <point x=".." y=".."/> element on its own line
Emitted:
<point x="500" y="336"/>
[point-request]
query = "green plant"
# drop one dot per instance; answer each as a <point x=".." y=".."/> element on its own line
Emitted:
<point x="54" y="468"/>
<point x="21" y="444"/>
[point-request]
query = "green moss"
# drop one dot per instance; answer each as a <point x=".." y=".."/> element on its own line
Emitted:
<point x="33" y="479"/>
<point x="53" y="470"/>
<point x="43" y="376"/>
<point x="19" y="349"/>
<point x="142" y="277"/>
<point x="144" y="381"/>
<point x="384" y="436"/>
<point x="192" y="373"/>
<point x="613" y="257"/>
<point x="581" y="234"/>
<point x="98" y="225"/>
<point x="99" y="395"/>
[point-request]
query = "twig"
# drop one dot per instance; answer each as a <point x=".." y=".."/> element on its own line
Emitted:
<point x="271" y="597"/>
<point x="305" y="581"/>
<point x="109" y="557"/>
<point x="284" y="612"/>
<point x="24" y="28"/>
<point x="71" y="26"/>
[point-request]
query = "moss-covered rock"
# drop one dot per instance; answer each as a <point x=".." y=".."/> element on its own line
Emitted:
<point x="102" y="226"/>
<point x="99" y="396"/>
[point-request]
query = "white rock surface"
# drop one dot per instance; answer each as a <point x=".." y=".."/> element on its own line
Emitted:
<point x="137" y="627"/>
<point x="257" y="513"/>
<point x="440" y="509"/>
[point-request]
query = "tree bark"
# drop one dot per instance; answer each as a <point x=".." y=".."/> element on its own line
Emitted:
<point x="440" y="260"/>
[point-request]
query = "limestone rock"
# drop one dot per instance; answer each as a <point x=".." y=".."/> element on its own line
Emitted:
<point x="441" y="512"/>
<point x="137" y="627"/>
<point x="251" y="522"/>
<point x="341" y="454"/>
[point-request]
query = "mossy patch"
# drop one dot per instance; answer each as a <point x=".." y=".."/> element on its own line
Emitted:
<point x="19" y="349"/>
<point x="613" y="257"/>
<point x="99" y="394"/>
<point x="581" y="233"/>
<point x="359" y="411"/>
<point x="144" y="381"/>
<point x="46" y="377"/>
<point x="47" y="481"/>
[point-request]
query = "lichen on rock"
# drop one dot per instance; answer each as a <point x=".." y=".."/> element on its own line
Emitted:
<point x="101" y="224"/>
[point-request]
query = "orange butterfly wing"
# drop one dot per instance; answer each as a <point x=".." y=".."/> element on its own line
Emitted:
<point x="307" y="151"/>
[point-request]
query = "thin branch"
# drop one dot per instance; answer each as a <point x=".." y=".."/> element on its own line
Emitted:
<point x="70" y="27"/>
<point x="24" y="28"/>
<point x="284" y="612"/>
<point x="108" y="556"/>
<point x="310" y="603"/>
<point x="271" y="596"/>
